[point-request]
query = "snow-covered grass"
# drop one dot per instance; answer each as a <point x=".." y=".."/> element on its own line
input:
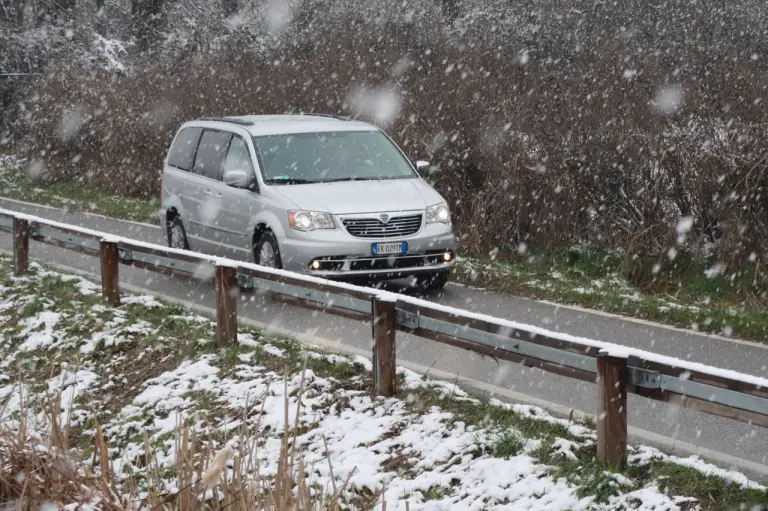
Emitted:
<point x="692" y="300"/>
<point x="18" y="181"/>
<point x="156" y="384"/>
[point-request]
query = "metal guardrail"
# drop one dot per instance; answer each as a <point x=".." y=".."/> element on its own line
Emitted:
<point x="349" y="303"/>
<point x="6" y="223"/>
<point x="615" y="369"/>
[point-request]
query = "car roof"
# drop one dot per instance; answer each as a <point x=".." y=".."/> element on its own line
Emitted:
<point x="258" y="125"/>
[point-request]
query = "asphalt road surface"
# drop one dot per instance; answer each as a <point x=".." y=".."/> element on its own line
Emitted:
<point x="717" y="434"/>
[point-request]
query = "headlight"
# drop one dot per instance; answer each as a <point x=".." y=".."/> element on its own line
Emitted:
<point x="309" y="220"/>
<point x="438" y="213"/>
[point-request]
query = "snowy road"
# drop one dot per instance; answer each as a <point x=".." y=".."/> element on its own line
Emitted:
<point x="725" y="436"/>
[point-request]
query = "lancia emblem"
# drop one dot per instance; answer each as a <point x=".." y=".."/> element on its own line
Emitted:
<point x="384" y="218"/>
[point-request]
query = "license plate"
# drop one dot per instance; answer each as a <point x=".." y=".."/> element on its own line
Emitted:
<point x="400" y="247"/>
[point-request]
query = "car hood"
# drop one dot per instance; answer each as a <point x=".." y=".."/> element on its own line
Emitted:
<point x="347" y="197"/>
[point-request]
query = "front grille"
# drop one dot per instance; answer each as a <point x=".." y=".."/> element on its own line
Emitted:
<point x="374" y="228"/>
<point x="386" y="262"/>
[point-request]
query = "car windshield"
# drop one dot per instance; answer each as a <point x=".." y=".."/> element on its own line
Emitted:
<point x="332" y="156"/>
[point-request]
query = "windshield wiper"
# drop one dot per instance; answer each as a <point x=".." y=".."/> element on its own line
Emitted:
<point x="351" y="179"/>
<point x="288" y="181"/>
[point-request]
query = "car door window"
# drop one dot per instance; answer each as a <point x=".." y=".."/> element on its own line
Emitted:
<point x="211" y="153"/>
<point x="238" y="156"/>
<point x="182" y="153"/>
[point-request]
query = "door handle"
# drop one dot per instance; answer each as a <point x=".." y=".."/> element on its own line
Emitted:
<point x="219" y="195"/>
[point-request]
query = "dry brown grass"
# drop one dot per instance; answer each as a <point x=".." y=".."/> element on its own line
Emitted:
<point x="39" y="470"/>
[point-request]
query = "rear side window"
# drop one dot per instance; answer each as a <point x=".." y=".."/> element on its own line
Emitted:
<point x="211" y="153"/>
<point x="182" y="153"/>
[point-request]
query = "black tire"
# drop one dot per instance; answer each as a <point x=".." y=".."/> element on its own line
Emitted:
<point x="267" y="237"/>
<point x="432" y="282"/>
<point x="171" y="225"/>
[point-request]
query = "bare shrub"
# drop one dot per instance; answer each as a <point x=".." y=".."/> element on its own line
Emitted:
<point x="604" y="123"/>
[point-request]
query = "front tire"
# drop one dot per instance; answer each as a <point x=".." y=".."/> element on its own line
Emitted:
<point x="432" y="282"/>
<point x="267" y="252"/>
<point x="177" y="235"/>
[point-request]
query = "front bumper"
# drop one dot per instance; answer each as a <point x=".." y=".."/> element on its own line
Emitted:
<point x="384" y="273"/>
<point x="344" y="256"/>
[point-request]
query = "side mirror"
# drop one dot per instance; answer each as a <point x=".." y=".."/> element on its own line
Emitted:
<point x="236" y="178"/>
<point x="424" y="168"/>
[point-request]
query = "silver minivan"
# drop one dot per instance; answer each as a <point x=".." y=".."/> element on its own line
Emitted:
<point x="313" y="194"/>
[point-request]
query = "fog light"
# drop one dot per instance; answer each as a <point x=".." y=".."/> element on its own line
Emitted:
<point x="315" y="265"/>
<point x="447" y="256"/>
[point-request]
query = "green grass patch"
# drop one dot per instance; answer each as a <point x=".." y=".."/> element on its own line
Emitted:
<point x="435" y="493"/>
<point x="293" y="357"/>
<point x="681" y="295"/>
<point x="33" y="308"/>
<point x="714" y="493"/>
<point x="508" y="446"/>
<point x="341" y="371"/>
<point x="595" y="481"/>
<point x="206" y="403"/>
<point x="76" y="195"/>
<point x="482" y="412"/>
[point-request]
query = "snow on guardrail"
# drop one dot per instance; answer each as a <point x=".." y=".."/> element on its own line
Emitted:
<point x="612" y="348"/>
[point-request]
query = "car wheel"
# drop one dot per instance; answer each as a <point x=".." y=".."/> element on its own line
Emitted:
<point x="177" y="235"/>
<point x="432" y="282"/>
<point x="266" y="252"/>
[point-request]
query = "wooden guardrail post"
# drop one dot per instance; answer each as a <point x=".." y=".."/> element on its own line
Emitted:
<point x="226" y="305"/>
<point x="110" y="286"/>
<point x="384" y="353"/>
<point x="611" y="410"/>
<point x="20" y="246"/>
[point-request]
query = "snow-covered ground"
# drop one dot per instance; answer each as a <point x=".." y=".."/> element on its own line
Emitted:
<point x="147" y="370"/>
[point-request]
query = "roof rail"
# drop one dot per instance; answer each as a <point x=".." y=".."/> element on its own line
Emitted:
<point x="331" y="116"/>
<point x="232" y="120"/>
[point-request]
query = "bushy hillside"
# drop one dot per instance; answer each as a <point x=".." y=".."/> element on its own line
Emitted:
<point x="634" y="125"/>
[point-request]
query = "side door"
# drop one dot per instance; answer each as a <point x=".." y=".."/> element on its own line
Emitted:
<point x="178" y="189"/>
<point x="205" y="201"/>
<point x="240" y="202"/>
